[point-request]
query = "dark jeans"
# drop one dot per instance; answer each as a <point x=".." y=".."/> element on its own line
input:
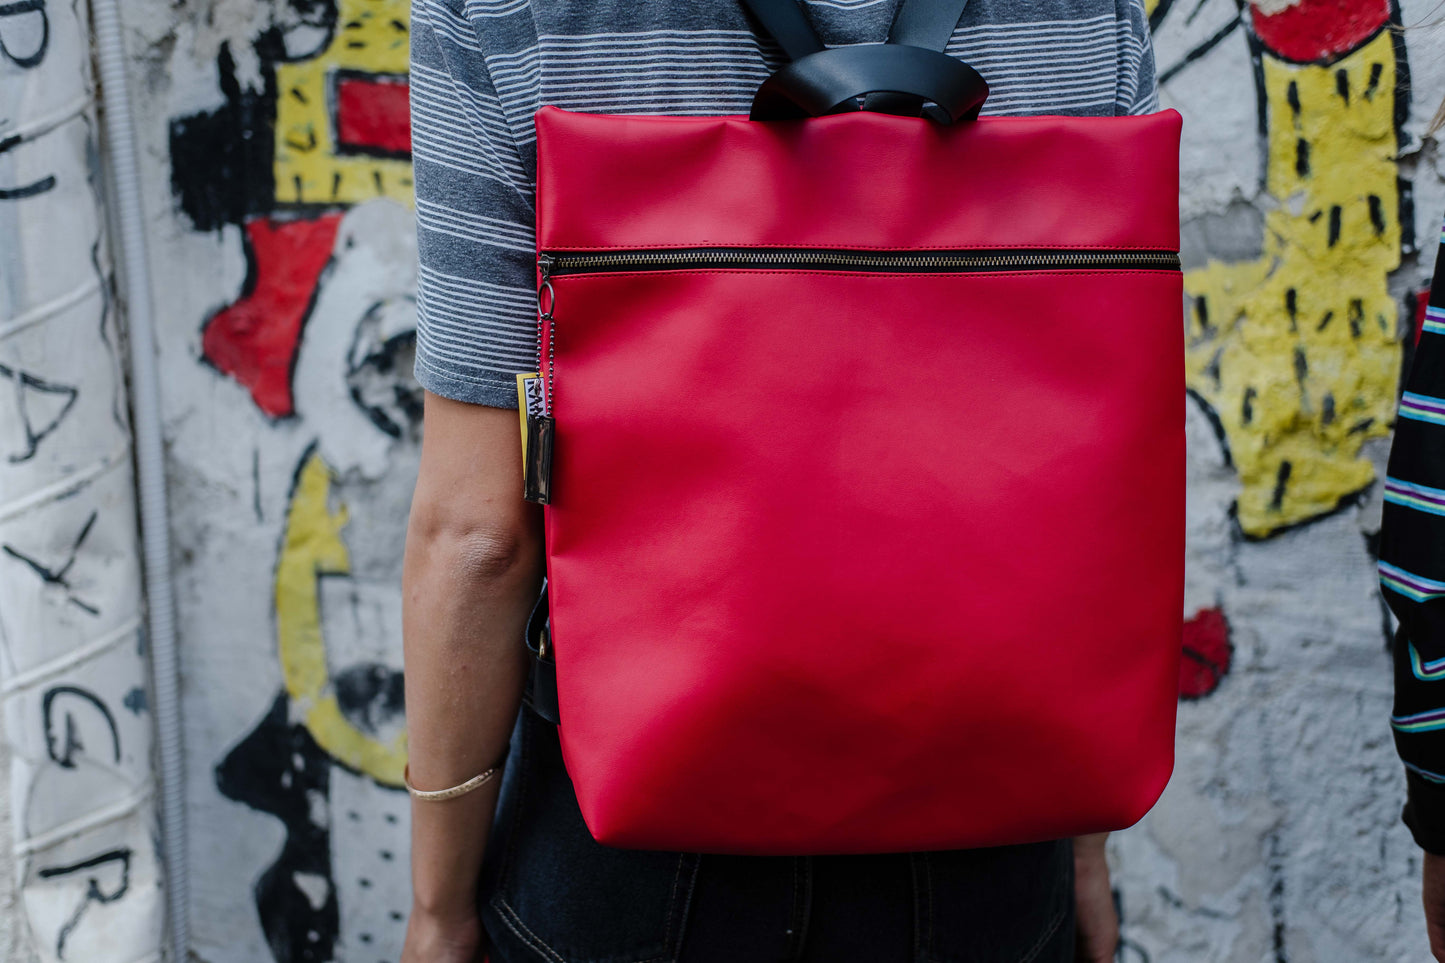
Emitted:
<point x="552" y="893"/>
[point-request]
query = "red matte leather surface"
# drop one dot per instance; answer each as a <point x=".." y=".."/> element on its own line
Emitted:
<point x="853" y="562"/>
<point x="860" y="180"/>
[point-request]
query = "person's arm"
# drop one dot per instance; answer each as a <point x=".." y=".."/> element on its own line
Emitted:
<point x="472" y="571"/>
<point x="1412" y="578"/>
<point x="473" y="561"/>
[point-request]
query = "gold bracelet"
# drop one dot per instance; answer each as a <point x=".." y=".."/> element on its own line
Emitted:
<point x="437" y="795"/>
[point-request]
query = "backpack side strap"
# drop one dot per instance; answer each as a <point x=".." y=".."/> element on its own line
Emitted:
<point x="541" y="694"/>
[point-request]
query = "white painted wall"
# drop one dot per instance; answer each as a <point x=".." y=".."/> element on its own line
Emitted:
<point x="1279" y="838"/>
<point x="84" y="864"/>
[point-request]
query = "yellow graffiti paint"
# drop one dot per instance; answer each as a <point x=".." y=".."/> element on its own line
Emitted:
<point x="371" y="37"/>
<point x="1297" y="352"/>
<point x="313" y="547"/>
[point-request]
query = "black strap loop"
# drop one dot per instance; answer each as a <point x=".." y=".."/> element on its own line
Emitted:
<point x="918" y="23"/>
<point x="831" y="81"/>
<point x="912" y="74"/>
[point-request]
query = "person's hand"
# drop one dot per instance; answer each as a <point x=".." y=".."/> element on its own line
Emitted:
<point x="1097" y="927"/>
<point x="1433" y="892"/>
<point x="433" y="939"/>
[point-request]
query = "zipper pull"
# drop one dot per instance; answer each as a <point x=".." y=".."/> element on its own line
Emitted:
<point x="544" y="287"/>
<point x="540" y="428"/>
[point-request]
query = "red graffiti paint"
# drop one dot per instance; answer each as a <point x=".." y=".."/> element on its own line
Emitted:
<point x="1207" y="654"/>
<point x="372" y="116"/>
<point x="254" y="340"/>
<point x="1314" y="31"/>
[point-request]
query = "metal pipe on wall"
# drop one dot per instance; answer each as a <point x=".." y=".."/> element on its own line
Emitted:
<point x="150" y="462"/>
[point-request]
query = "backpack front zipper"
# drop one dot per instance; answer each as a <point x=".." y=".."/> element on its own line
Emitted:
<point x="926" y="262"/>
<point x="553" y="265"/>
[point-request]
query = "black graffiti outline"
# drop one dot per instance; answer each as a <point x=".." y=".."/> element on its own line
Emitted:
<point x="92" y="891"/>
<point x="58" y="576"/>
<point x="383" y="358"/>
<point x="1124" y="943"/>
<point x="29" y="190"/>
<point x="275" y="769"/>
<point x="47" y="718"/>
<point x="333" y="97"/>
<point x="1195" y="53"/>
<point x="24" y="380"/>
<point x="14" y="9"/>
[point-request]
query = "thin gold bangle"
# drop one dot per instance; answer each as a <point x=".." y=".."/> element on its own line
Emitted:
<point x="437" y="795"/>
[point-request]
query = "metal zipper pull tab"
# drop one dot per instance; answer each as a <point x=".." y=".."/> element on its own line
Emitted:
<point x="546" y="296"/>
<point x="537" y="447"/>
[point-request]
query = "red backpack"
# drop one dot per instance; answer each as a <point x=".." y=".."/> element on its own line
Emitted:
<point x="861" y="437"/>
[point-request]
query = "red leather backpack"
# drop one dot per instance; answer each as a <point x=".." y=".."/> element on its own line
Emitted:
<point x="861" y="437"/>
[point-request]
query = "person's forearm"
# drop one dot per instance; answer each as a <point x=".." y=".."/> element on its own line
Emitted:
<point x="1096" y="926"/>
<point x="466" y="599"/>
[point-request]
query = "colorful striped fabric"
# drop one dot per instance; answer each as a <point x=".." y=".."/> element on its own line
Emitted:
<point x="1425" y="773"/>
<point x="1434" y="320"/>
<point x="1420" y="721"/>
<point x="1425" y="671"/>
<point x="1423" y="497"/>
<point x="1422" y="407"/>
<point x="1416" y="587"/>
<point x="1412" y="572"/>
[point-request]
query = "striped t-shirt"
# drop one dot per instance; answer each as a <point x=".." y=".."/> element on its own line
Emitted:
<point x="480" y="68"/>
<point x="1412" y="571"/>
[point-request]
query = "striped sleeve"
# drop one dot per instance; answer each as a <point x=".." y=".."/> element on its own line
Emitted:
<point x="1137" y="88"/>
<point x="1412" y="573"/>
<point x="476" y="296"/>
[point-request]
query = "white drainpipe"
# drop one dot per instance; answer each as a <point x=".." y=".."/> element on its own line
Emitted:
<point x="150" y="463"/>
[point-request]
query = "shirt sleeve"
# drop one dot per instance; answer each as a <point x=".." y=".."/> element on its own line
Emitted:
<point x="1412" y="574"/>
<point x="1137" y="87"/>
<point x="476" y="290"/>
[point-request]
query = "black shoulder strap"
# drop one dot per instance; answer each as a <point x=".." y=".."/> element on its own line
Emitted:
<point x="917" y="23"/>
<point x="785" y="21"/>
<point x="926" y="23"/>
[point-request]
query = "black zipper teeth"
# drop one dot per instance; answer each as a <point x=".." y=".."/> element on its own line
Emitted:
<point x="820" y="259"/>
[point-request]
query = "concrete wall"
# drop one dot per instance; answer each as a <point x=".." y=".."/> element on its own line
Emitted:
<point x="82" y="856"/>
<point x="279" y="217"/>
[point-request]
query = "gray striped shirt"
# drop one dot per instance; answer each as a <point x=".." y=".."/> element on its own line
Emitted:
<point x="480" y="68"/>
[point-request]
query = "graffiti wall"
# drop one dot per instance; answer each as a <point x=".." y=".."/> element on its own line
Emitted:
<point x="73" y="681"/>
<point x="279" y="203"/>
<point x="1279" y="837"/>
